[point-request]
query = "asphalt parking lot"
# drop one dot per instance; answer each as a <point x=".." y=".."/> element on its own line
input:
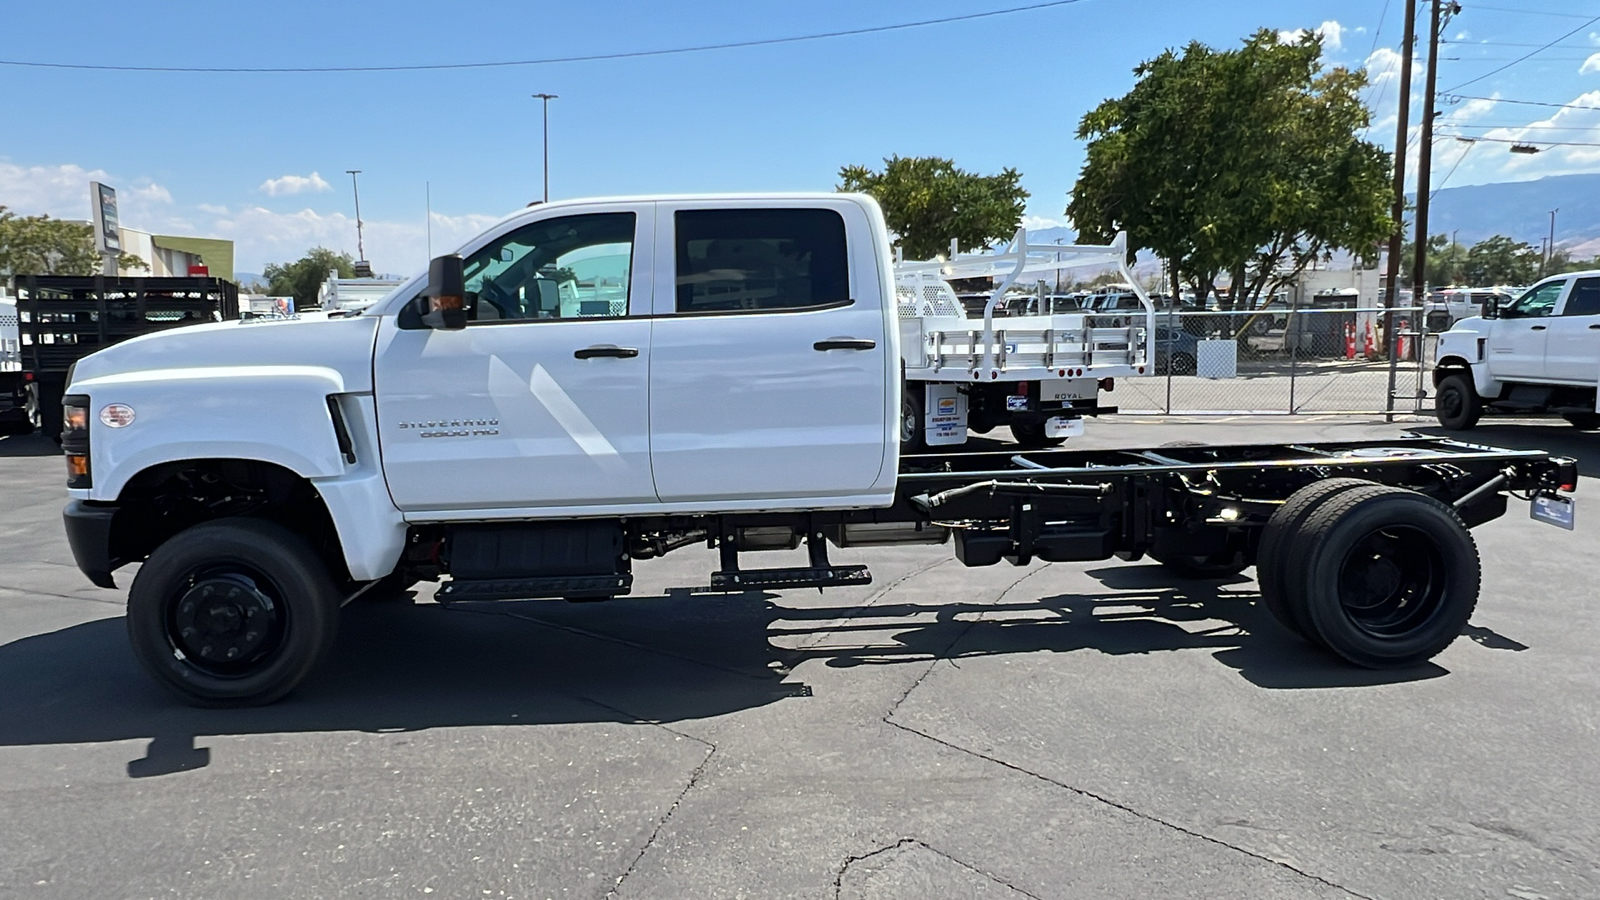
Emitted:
<point x="1057" y="730"/>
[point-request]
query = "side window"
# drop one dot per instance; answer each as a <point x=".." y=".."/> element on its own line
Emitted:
<point x="1540" y="301"/>
<point x="573" y="267"/>
<point x="760" y="260"/>
<point x="1584" y="299"/>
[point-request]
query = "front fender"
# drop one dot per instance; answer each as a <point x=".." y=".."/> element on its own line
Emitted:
<point x="276" y="414"/>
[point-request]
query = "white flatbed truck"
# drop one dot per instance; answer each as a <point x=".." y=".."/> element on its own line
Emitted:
<point x="1039" y="372"/>
<point x="734" y="381"/>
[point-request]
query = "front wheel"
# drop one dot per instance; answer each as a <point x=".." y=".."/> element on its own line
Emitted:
<point x="1032" y="435"/>
<point x="1457" y="404"/>
<point x="233" y="612"/>
<point x="1583" y="421"/>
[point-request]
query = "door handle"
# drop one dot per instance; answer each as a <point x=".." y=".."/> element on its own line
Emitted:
<point x="845" y="344"/>
<point x="1595" y="327"/>
<point x="606" y="350"/>
<point x="1538" y="328"/>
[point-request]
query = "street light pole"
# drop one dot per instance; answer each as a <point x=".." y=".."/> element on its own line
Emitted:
<point x="361" y="250"/>
<point x="546" y="98"/>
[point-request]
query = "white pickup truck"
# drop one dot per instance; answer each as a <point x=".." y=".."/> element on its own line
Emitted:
<point x="590" y="384"/>
<point x="1539" y="353"/>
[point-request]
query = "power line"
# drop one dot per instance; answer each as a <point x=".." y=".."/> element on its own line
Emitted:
<point x="1382" y="88"/>
<point x="1532" y="127"/>
<point x="1521" y="58"/>
<point x="1515" y="44"/>
<point x="1452" y="171"/>
<point x="1532" y="141"/>
<point x="636" y="54"/>
<point x="1525" y="12"/>
<point x="1445" y="96"/>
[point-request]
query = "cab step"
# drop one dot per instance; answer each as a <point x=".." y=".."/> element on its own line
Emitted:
<point x="571" y="587"/>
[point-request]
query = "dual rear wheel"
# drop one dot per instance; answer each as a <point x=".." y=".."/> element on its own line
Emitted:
<point x="1384" y="577"/>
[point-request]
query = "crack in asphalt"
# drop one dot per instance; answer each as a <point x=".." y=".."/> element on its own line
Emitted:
<point x="822" y="633"/>
<point x="838" y="878"/>
<point x="661" y="824"/>
<point x="888" y="719"/>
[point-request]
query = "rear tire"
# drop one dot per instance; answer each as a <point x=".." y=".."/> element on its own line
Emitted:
<point x="1583" y="421"/>
<point x="1033" y="435"/>
<point x="1276" y="537"/>
<point x="232" y="612"/>
<point x="1183" y="364"/>
<point x="1388" y="577"/>
<point x="913" y="424"/>
<point x="1457" y="403"/>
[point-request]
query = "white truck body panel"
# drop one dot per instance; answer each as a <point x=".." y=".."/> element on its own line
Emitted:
<point x="715" y="412"/>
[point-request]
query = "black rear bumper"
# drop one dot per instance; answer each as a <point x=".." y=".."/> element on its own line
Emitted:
<point x="89" y="535"/>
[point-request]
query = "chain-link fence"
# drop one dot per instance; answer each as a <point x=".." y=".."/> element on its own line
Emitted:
<point x="1283" y="360"/>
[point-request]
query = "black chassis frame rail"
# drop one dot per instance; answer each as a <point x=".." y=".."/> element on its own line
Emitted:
<point x="1196" y="501"/>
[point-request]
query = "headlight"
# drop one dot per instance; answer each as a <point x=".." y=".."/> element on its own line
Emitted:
<point x="75" y="440"/>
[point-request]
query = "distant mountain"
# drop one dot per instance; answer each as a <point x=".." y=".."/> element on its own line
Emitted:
<point x="1520" y="210"/>
<point x="249" y="278"/>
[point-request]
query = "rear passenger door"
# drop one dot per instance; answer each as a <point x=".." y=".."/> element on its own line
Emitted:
<point x="1572" y="351"/>
<point x="769" y="368"/>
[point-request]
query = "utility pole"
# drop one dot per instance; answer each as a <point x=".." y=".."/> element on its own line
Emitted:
<point x="1550" y="245"/>
<point x="1402" y="126"/>
<point x="361" y="250"/>
<point x="546" y="98"/>
<point x="1419" y="269"/>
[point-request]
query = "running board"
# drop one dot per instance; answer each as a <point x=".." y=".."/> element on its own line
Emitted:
<point x="581" y="587"/>
<point x="830" y="576"/>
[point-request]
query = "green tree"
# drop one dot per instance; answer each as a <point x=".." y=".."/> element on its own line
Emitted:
<point x="1501" y="260"/>
<point x="40" y="245"/>
<point x="1445" y="265"/>
<point x="927" y="201"/>
<point x="304" y="276"/>
<point x="1245" y="162"/>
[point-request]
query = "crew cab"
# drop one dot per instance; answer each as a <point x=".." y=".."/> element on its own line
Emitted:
<point x="595" y="383"/>
<point x="1539" y="353"/>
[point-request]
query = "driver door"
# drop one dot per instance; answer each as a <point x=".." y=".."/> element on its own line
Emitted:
<point x="539" y="403"/>
<point x="1517" y="342"/>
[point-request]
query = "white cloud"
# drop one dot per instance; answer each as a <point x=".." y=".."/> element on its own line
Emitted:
<point x="294" y="184"/>
<point x="1491" y="159"/>
<point x="1462" y="35"/>
<point x="1331" y="31"/>
<point x="58" y="191"/>
<point x="263" y="236"/>
<point x="1039" y="223"/>
<point x="1592" y="64"/>
<point x="1594" y="38"/>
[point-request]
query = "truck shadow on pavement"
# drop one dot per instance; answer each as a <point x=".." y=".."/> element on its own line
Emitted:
<point x="1554" y="435"/>
<point x="683" y="656"/>
<point x="1148" y="611"/>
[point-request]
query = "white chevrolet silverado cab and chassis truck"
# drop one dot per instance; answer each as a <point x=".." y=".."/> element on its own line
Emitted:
<point x="1539" y="353"/>
<point x="592" y="384"/>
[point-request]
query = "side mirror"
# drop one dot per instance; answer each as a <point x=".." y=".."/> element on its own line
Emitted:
<point x="445" y="295"/>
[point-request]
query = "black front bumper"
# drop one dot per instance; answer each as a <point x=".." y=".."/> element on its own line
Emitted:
<point x="89" y="535"/>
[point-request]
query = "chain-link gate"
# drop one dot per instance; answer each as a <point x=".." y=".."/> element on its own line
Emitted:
<point x="1279" y="360"/>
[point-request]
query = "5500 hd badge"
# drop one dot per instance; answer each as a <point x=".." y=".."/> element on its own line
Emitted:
<point x="454" y="428"/>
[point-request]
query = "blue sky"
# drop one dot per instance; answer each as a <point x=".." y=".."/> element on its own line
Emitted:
<point x="260" y="158"/>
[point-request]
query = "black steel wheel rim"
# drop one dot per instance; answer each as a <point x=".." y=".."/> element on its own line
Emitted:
<point x="226" y="619"/>
<point x="1452" y="401"/>
<point x="1392" y="581"/>
<point x="908" y="423"/>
